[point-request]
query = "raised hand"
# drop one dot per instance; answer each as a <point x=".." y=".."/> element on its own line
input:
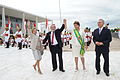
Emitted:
<point x="65" y="23"/>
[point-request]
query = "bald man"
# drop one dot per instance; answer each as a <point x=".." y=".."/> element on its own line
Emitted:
<point x="102" y="38"/>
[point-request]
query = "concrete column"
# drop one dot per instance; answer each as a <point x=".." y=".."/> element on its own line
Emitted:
<point x="3" y="20"/>
<point x="37" y="22"/>
<point x="23" y="24"/>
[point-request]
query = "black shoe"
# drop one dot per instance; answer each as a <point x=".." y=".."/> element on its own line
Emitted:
<point x="62" y="70"/>
<point x="54" y="70"/>
<point x="107" y="74"/>
<point x="98" y="72"/>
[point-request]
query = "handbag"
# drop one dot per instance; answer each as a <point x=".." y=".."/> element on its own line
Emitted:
<point x="39" y="46"/>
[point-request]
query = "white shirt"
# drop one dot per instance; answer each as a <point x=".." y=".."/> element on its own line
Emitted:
<point x="54" y="41"/>
<point x="12" y="41"/>
<point x="88" y="34"/>
<point x="6" y="37"/>
<point x="68" y="37"/>
<point x="65" y="38"/>
<point x="100" y="30"/>
<point x="24" y="41"/>
<point x="18" y="38"/>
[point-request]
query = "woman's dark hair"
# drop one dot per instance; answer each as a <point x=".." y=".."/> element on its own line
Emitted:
<point x="76" y="22"/>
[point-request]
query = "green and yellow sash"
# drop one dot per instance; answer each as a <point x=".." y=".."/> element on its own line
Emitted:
<point x="80" y="40"/>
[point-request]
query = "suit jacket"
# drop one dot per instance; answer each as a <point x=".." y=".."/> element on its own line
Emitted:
<point x="105" y="37"/>
<point x="57" y="35"/>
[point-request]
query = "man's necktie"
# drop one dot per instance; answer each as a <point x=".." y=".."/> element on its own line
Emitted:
<point x="99" y="30"/>
<point x="53" y="38"/>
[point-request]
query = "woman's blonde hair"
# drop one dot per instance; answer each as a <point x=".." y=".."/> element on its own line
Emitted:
<point x="33" y="29"/>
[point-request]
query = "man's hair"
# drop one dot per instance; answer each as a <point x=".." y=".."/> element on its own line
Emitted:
<point x="77" y="22"/>
<point x="101" y="20"/>
<point x="52" y="25"/>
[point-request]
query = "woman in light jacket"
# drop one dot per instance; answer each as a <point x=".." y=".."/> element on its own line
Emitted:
<point x="36" y="47"/>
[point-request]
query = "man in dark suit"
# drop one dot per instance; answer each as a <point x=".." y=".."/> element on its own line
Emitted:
<point x="55" y="45"/>
<point x="102" y="38"/>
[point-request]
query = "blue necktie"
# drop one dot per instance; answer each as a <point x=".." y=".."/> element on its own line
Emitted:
<point x="99" y="30"/>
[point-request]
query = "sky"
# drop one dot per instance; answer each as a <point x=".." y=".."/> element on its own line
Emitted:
<point x="87" y="12"/>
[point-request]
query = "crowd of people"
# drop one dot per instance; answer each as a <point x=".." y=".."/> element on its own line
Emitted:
<point x="78" y="39"/>
<point x="18" y="39"/>
<point x="15" y="40"/>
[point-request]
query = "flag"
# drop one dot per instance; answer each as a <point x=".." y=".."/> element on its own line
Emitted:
<point x="46" y="23"/>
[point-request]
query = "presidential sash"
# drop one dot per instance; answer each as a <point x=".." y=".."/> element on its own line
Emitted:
<point x="80" y="40"/>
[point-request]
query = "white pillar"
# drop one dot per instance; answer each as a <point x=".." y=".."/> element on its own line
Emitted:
<point x="3" y="20"/>
<point x="37" y="22"/>
<point x="23" y="24"/>
<point x="60" y="12"/>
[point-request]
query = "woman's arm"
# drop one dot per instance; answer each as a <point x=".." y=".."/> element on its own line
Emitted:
<point x="30" y="33"/>
<point x="29" y="30"/>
